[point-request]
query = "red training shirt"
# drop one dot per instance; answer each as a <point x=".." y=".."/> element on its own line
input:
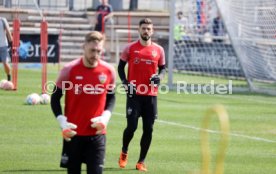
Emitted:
<point x="85" y="92"/>
<point x="143" y="62"/>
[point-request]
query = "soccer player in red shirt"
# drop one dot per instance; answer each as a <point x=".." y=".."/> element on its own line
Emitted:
<point x="89" y="85"/>
<point x="144" y="58"/>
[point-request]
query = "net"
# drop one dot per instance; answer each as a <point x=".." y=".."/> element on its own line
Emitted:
<point x="251" y="25"/>
<point x="228" y="39"/>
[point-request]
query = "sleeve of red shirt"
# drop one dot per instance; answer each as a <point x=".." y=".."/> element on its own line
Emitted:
<point x="63" y="76"/>
<point x="162" y="60"/>
<point x="125" y="53"/>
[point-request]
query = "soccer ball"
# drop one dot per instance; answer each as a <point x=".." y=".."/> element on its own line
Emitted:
<point x="32" y="99"/>
<point x="44" y="99"/>
<point x="2" y="83"/>
<point x="7" y="85"/>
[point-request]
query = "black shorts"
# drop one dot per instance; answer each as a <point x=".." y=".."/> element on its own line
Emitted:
<point x="83" y="149"/>
<point x="144" y="106"/>
<point x="98" y="27"/>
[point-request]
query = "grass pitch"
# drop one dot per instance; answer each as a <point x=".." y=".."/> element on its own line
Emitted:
<point x="30" y="140"/>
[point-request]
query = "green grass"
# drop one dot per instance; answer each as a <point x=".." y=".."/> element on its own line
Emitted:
<point x="30" y="140"/>
<point x="199" y="79"/>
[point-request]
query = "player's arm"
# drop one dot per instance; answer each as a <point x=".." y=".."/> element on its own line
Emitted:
<point x="110" y="14"/>
<point x="129" y="87"/>
<point x="67" y="128"/>
<point x="157" y="78"/>
<point x="101" y="122"/>
<point x="110" y="101"/>
<point x="55" y="101"/>
<point x="7" y="29"/>
<point x="162" y="65"/>
<point x="121" y="71"/>
<point x="57" y="91"/>
<point x="161" y="71"/>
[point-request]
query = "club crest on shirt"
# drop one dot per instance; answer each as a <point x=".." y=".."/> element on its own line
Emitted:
<point x="102" y="78"/>
<point x="154" y="53"/>
<point x="136" y="60"/>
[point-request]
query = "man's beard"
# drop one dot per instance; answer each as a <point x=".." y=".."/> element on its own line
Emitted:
<point x="91" y="62"/>
<point x="145" y="38"/>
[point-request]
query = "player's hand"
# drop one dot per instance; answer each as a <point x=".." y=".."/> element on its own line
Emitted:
<point x="10" y="44"/>
<point x="155" y="80"/>
<point x="69" y="132"/>
<point x="100" y="123"/>
<point x="67" y="128"/>
<point x="130" y="88"/>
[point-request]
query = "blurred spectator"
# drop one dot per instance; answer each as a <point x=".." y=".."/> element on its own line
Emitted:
<point x="181" y="23"/>
<point x="103" y="14"/>
<point x="180" y="19"/>
<point x="218" y="28"/>
<point x="5" y="41"/>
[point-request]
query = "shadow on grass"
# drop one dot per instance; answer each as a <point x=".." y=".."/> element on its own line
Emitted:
<point x="116" y="169"/>
<point x="32" y="171"/>
<point x="57" y="170"/>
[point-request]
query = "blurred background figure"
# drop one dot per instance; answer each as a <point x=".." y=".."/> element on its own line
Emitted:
<point x="218" y="28"/>
<point x="181" y="24"/>
<point x="5" y="41"/>
<point x="103" y="15"/>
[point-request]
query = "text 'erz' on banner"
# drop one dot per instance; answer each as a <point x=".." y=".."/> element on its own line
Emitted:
<point x="29" y="49"/>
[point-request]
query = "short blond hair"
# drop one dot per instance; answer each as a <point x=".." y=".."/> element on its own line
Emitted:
<point x="94" y="36"/>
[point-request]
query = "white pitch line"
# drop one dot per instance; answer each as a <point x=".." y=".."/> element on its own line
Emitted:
<point x="208" y="130"/>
